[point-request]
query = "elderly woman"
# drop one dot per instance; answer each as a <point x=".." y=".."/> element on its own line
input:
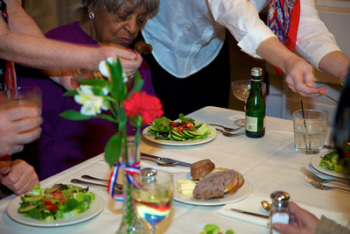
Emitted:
<point x="64" y="143"/>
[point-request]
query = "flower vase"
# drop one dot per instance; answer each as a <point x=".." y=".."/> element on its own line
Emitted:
<point x="130" y="222"/>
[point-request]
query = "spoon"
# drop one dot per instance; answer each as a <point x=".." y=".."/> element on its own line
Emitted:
<point x="266" y="205"/>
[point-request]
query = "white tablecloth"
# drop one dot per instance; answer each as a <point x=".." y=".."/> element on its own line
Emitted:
<point x="269" y="164"/>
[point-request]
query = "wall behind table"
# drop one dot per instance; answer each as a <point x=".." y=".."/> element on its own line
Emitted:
<point x="49" y="14"/>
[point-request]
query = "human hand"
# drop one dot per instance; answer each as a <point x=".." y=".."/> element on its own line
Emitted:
<point x="19" y="125"/>
<point x="300" y="77"/>
<point x="301" y="221"/>
<point x="130" y="60"/>
<point x="20" y="176"/>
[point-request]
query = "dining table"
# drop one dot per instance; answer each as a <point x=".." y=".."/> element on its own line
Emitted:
<point x="268" y="164"/>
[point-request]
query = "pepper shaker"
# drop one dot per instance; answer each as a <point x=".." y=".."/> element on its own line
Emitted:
<point x="279" y="212"/>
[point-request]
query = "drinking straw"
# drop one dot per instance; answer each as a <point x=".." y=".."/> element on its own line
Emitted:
<point x="302" y="111"/>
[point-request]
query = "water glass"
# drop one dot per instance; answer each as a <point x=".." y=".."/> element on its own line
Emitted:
<point x="310" y="128"/>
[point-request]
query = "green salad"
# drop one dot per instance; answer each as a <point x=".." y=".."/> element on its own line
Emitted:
<point x="61" y="201"/>
<point x="332" y="161"/>
<point x="214" y="229"/>
<point x="182" y="130"/>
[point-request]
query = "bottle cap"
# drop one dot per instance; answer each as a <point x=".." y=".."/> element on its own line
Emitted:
<point x="256" y="71"/>
<point x="280" y="198"/>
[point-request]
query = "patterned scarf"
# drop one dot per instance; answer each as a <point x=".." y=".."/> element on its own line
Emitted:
<point x="283" y="21"/>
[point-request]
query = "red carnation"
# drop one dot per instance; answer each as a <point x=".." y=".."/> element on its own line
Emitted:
<point x="149" y="107"/>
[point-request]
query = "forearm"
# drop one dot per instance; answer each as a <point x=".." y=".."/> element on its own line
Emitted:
<point x="335" y="63"/>
<point x="274" y="52"/>
<point x="46" y="53"/>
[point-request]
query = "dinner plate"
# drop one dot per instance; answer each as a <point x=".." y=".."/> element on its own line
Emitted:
<point x="95" y="209"/>
<point x="240" y="194"/>
<point x="178" y="143"/>
<point x="315" y="163"/>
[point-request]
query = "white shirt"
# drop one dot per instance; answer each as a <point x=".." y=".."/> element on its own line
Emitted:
<point x="187" y="35"/>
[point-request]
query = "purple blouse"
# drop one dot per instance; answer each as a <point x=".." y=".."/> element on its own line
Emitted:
<point x="65" y="143"/>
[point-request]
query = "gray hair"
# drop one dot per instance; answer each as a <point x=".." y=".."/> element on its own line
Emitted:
<point x="114" y="5"/>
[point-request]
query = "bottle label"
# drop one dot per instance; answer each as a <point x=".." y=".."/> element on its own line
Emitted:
<point x="251" y="123"/>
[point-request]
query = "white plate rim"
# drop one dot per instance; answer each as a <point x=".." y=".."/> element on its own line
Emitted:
<point x="179" y="143"/>
<point x="239" y="195"/>
<point x="95" y="209"/>
<point x="315" y="161"/>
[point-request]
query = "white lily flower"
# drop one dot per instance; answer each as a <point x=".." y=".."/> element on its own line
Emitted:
<point x="102" y="67"/>
<point x="92" y="104"/>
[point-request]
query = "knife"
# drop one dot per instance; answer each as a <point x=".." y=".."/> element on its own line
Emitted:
<point x="164" y="161"/>
<point x="250" y="213"/>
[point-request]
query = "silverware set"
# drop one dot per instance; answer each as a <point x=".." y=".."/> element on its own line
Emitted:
<point x="118" y="187"/>
<point x="319" y="182"/>
<point x="227" y="129"/>
<point x="229" y="134"/>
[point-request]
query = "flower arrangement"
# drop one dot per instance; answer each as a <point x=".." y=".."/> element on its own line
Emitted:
<point x="138" y="108"/>
<point x="111" y="94"/>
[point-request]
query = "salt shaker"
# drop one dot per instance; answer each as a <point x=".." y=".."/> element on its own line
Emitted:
<point x="279" y="212"/>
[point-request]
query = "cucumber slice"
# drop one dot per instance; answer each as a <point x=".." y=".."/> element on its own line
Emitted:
<point x="176" y="138"/>
<point x="33" y="199"/>
<point x="194" y="133"/>
<point x="187" y="134"/>
<point x="176" y="133"/>
<point x="27" y="208"/>
<point x="198" y="125"/>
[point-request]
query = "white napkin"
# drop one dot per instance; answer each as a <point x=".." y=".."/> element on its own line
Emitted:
<point x="253" y="204"/>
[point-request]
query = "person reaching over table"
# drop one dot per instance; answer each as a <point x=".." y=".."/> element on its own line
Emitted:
<point x="190" y="34"/>
<point x="21" y="41"/>
<point x="65" y="143"/>
<point x="303" y="221"/>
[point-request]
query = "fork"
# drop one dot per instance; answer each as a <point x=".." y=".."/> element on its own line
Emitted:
<point x="228" y="134"/>
<point x="318" y="185"/>
<point x="226" y="128"/>
<point x="321" y="180"/>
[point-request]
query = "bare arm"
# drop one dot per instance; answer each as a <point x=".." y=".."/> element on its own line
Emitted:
<point x="299" y="73"/>
<point x="35" y="50"/>
<point x="335" y="63"/>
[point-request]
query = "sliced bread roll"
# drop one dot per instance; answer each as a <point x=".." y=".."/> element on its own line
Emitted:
<point x="231" y="179"/>
<point x="240" y="179"/>
<point x="201" y="168"/>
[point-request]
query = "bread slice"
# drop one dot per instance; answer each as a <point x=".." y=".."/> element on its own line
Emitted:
<point x="240" y="179"/>
<point x="201" y="168"/>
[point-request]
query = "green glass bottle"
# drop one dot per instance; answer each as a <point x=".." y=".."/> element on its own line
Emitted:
<point x="255" y="107"/>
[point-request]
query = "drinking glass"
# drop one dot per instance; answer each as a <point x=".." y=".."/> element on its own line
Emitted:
<point x="241" y="90"/>
<point x="25" y="95"/>
<point x="152" y="198"/>
<point x="310" y="128"/>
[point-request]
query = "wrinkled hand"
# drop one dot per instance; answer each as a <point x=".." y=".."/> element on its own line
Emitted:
<point x="18" y="176"/>
<point x="19" y="125"/>
<point x="300" y="77"/>
<point x="301" y="221"/>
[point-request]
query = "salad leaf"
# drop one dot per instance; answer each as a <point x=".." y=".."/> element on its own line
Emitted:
<point x="331" y="161"/>
<point x="185" y="119"/>
<point x="161" y="124"/>
<point x="214" y="229"/>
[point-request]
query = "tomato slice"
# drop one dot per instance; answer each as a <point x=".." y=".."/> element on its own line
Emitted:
<point x="189" y="125"/>
<point x="51" y="207"/>
<point x="180" y="129"/>
<point x="174" y="124"/>
<point x="57" y="194"/>
<point x="47" y="201"/>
